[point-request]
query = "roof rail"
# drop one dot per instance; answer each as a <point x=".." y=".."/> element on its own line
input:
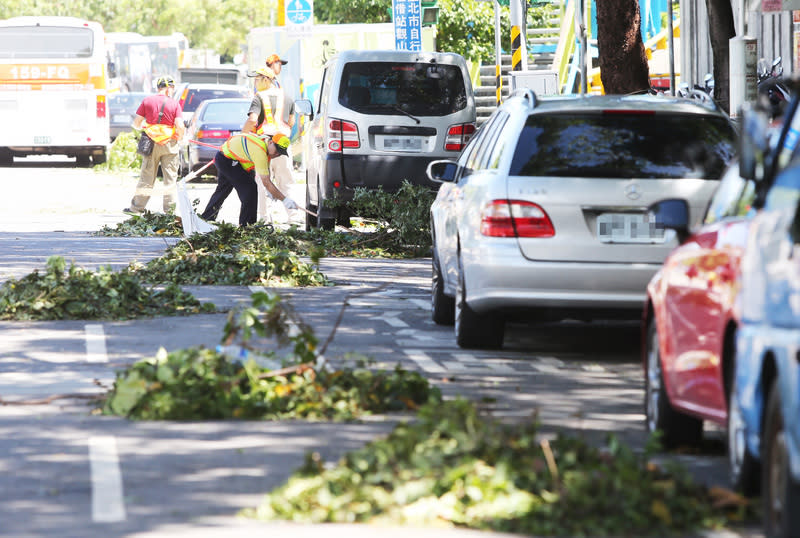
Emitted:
<point x="528" y="94"/>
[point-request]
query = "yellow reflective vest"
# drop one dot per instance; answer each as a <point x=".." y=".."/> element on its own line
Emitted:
<point x="273" y="119"/>
<point x="250" y="150"/>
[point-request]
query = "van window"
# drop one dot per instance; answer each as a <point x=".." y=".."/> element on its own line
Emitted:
<point x="420" y="89"/>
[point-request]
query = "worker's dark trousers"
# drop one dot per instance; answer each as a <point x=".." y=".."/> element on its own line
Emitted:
<point x="231" y="175"/>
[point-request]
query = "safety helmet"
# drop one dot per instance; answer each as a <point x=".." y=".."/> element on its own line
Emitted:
<point x="163" y="82"/>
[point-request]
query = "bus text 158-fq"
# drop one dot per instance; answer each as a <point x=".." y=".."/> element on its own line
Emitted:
<point x="53" y="76"/>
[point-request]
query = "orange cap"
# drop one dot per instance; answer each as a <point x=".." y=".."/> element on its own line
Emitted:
<point x="272" y="58"/>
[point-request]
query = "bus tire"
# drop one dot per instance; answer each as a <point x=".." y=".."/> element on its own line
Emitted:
<point x="99" y="158"/>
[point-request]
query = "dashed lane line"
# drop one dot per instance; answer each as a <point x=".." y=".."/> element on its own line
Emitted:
<point x="390" y="317"/>
<point x="108" y="505"/>
<point x="424" y="361"/>
<point x="95" y="343"/>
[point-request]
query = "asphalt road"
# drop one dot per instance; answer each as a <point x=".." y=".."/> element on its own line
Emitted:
<point x="69" y="472"/>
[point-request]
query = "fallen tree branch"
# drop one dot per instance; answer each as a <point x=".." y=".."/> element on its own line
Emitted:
<point x="51" y="399"/>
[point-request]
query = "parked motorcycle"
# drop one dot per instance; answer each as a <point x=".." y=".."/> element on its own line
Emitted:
<point x="704" y="92"/>
<point x="771" y="87"/>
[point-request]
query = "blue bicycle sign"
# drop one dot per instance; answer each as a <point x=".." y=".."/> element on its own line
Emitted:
<point x="299" y="12"/>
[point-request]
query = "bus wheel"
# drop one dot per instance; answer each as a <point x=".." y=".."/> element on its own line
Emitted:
<point x="82" y="159"/>
<point x="99" y="158"/>
<point x="6" y="157"/>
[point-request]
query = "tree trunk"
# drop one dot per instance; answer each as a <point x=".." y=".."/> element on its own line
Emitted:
<point x="721" y="29"/>
<point x="623" y="63"/>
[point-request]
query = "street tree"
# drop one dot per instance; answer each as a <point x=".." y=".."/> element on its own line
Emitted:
<point x="620" y="49"/>
<point x="721" y="29"/>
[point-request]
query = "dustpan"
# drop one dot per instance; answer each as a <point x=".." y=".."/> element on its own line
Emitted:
<point x="191" y="221"/>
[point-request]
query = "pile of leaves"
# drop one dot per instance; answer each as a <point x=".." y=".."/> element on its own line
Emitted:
<point x="454" y="467"/>
<point x="76" y="293"/>
<point x="199" y="383"/>
<point x="122" y="156"/>
<point x="229" y="255"/>
<point x="203" y="384"/>
<point x="145" y="225"/>
<point x="388" y="225"/>
<point x="402" y="217"/>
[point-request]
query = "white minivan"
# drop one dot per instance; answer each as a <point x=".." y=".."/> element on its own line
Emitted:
<point x="379" y="118"/>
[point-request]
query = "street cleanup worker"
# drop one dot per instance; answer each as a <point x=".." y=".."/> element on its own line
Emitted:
<point x="159" y="116"/>
<point x="272" y="111"/>
<point x="243" y="159"/>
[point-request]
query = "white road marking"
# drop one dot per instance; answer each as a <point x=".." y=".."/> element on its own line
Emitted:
<point x="469" y="362"/>
<point x="95" y="343"/>
<point x="391" y="319"/>
<point x="424" y="361"/>
<point x="417" y="334"/>
<point x="108" y="505"/>
<point x="421" y="303"/>
<point x="256" y="289"/>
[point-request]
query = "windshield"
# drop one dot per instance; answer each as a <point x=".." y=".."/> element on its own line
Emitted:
<point x="419" y="89"/>
<point x="624" y="146"/>
<point x="46" y="42"/>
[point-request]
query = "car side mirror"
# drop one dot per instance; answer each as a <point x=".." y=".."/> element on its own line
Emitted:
<point x="671" y="214"/>
<point x="187" y="123"/>
<point x="753" y="142"/>
<point x="442" y="171"/>
<point x="304" y="107"/>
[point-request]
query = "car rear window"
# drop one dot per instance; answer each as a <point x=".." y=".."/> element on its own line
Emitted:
<point x="226" y="112"/>
<point x="624" y="146"/>
<point x="419" y="89"/>
<point x="127" y="102"/>
<point x="195" y="97"/>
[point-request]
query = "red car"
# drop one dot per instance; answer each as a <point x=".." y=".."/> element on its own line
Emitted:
<point x="689" y="323"/>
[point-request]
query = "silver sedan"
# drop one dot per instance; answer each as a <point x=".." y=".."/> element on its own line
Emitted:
<point x="544" y="214"/>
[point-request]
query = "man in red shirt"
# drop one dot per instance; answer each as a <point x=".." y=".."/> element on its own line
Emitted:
<point x="159" y="116"/>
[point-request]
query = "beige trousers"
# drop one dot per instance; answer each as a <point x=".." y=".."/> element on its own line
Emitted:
<point x="167" y="157"/>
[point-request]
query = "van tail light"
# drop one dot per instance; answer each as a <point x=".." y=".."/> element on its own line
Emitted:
<point x="342" y="134"/>
<point x="183" y="97"/>
<point x="458" y="136"/>
<point x="101" y="106"/>
<point x="515" y="218"/>
<point x="213" y="133"/>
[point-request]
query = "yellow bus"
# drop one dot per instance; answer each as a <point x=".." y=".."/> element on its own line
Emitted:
<point x="53" y="83"/>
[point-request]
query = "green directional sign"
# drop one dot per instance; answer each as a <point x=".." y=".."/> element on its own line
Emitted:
<point x="503" y="2"/>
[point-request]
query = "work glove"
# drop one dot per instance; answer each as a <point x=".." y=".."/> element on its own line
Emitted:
<point x="288" y="203"/>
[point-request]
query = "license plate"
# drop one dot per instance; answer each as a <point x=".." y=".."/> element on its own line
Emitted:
<point x="41" y="139"/>
<point x="402" y="143"/>
<point x="629" y="228"/>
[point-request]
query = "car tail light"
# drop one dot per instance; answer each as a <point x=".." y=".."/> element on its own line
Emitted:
<point x="101" y="106"/>
<point x="342" y="134"/>
<point x="515" y="218"/>
<point x="458" y="136"/>
<point x="213" y="133"/>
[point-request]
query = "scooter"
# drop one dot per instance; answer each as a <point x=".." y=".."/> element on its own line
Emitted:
<point x="771" y="86"/>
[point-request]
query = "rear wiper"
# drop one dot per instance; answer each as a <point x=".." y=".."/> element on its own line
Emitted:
<point x="393" y="107"/>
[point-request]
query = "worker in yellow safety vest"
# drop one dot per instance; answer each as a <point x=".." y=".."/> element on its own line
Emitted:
<point x="271" y="112"/>
<point x="159" y="116"/>
<point x="241" y="163"/>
